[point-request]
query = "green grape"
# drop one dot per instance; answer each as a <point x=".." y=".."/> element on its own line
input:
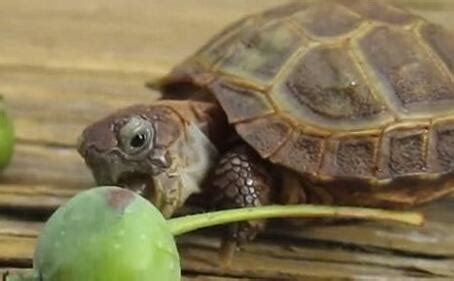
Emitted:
<point x="112" y="234"/>
<point x="6" y="137"/>
<point x="107" y="234"/>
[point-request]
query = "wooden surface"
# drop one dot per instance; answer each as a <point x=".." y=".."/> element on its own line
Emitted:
<point x="66" y="63"/>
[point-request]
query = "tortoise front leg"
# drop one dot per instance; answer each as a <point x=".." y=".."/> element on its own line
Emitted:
<point x="240" y="180"/>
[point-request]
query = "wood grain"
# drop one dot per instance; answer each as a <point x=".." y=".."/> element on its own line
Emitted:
<point x="280" y="255"/>
<point x="64" y="64"/>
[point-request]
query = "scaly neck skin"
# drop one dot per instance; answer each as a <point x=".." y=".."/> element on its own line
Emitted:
<point x="205" y="129"/>
<point x="200" y="156"/>
<point x="213" y="122"/>
<point x="208" y="116"/>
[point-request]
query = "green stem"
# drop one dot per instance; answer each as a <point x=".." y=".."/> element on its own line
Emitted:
<point x="189" y="223"/>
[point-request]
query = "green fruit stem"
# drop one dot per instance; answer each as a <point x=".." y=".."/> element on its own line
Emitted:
<point x="185" y="224"/>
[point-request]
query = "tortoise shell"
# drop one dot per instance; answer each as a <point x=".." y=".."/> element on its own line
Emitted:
<point x="344" y="89"/>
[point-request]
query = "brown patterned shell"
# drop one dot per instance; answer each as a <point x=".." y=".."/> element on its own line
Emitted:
<point x="342" y="89"/>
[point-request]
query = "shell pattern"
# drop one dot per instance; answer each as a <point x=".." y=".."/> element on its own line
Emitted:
<point x="347" y="89"/>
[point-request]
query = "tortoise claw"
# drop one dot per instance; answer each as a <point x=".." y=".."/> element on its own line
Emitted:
<point x="227" y="252"/>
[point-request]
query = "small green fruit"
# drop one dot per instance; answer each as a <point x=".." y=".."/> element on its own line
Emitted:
<point x="6" y="137"/>
<point x="107" y="234"/>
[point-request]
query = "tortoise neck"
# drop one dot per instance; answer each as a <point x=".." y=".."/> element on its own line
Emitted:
<point x="212" y="121"/>
<point x="208" y="116"/>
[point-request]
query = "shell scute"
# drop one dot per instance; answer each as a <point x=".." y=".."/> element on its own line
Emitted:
<point x="219" y="46"/>
<point x="406" y="73"/>
<point x="352" y="157"/>
<point x="286" y="10"/>
<point x="326" y="87"/>
<point x="261" y="51"/>
<point x="266" y="134"/>
<point x="301" y="152"/>
<point x="442" y="146"/>
<point x="327" y="20"/>
<point x="239" y="102"/>
<point x="379" y="11"/>
<point x="441" y="41"/>
<point x="404" y="151"/>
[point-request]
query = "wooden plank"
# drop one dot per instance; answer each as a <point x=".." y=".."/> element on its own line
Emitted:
<point x="366" y="249"/>
<point x="91" y="57"/>
<point x="271" y="260"/>
<point x="298" y="268"/>
<point x="42" y="177"/>
<point x="144" y="36"/>
<point x="435" y="238"/>
<point x="52" y="106"/>
<point x="46" y="165"/>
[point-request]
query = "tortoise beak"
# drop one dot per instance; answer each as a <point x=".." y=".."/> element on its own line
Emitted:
<point x="166" y="193"/>
<point x="162" y="189"/>
<point x="143" y="184"/>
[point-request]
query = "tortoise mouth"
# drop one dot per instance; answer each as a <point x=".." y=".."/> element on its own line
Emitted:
<point x="139" y="183"/>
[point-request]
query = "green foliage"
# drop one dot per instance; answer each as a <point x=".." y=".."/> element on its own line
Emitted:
<point x="6" y="137"/>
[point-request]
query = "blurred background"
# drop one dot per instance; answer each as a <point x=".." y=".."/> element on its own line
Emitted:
<point x="135" y="36"/>
<point x="64" y="64"/>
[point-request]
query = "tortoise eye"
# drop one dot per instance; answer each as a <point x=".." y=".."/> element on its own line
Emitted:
<point x="138" y="140"/>
<point x="136" y="135"/>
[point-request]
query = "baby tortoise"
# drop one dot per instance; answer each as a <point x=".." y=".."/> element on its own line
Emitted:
<point x="344" y="102"/>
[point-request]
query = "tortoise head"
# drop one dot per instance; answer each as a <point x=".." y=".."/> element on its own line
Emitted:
<point x="150" y="150"/>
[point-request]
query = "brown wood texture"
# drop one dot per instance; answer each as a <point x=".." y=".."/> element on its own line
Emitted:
<point x="66" y="63"/>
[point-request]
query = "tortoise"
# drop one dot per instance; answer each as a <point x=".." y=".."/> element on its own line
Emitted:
<point x="344" y="102"/>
